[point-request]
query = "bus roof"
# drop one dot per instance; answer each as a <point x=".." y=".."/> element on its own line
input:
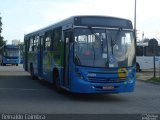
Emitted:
<point x="142" y="44"/>
<point x="9" y="46"/>
<point x="84" y="20"/>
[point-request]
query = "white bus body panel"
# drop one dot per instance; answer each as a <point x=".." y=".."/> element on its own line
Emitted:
<point x="146" y="62"/>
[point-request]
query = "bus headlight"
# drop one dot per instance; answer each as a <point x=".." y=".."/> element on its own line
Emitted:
<point x="79" y="74"/>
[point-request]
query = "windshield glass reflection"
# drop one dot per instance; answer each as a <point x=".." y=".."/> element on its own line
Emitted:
<point x="12" y="52"/>
<point x="104" y="48"/>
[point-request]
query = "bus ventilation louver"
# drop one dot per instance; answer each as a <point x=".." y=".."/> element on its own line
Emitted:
<point x="105" y="80"/>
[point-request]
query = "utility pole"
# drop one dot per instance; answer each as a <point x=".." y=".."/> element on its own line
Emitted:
<point x="142" y="35"/>
<point x="135" y="18"/>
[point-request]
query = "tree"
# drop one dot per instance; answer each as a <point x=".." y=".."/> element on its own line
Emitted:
<point x="2" y="42"/>
<point x="0" y="25"/>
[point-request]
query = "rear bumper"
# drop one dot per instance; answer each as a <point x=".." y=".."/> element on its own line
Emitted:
<point x="11" y="61"/>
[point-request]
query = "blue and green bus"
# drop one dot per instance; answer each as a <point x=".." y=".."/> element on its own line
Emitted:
<point x="84" y="54"/>
<point x="10" y="54"/>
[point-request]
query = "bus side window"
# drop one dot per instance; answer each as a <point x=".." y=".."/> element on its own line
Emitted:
<point x="148" y="51"/>
<point x="39" y="42"/>
<point x="158" y="51"/>
<point x="57" y="39"/>
<point x="36" y="43"/>
<point x="139" y="51"/>
<point x="47" y="41"/>
<point x="31" y="45"/>
<point x="26" y="45"/>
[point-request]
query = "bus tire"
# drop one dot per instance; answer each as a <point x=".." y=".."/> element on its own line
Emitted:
<point x="138" y="68"/>
<point x="33" y="77"/>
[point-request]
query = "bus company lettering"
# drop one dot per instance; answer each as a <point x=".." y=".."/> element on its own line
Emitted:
<point x="91" y="75"/>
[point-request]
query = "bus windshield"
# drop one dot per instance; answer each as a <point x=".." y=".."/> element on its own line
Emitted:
<point x="11" y="52"/>
<point x="95" y="47"/>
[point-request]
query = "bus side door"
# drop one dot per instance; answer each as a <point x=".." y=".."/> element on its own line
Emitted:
<point x="40" y="59"/>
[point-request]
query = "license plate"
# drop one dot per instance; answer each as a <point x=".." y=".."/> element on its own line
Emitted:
<point x="108" y="87"/>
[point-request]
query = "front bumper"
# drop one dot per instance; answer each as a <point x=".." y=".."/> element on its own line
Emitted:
<point x="81" y="86"/>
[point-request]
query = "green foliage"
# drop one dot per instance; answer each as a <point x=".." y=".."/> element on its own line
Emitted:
<point x="157" y="79"/>
<point x="0" y="25"/>
<point x="2" y="42"/>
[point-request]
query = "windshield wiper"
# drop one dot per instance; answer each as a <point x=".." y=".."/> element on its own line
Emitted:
<point x="112" y="44"/>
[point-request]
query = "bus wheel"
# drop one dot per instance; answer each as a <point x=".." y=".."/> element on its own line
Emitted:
<point x="138" y="68"/>
<point x="32" y="72"/>
<point x="16" y="64"/>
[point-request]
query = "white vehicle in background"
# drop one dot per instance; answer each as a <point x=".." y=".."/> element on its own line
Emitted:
<point x="144" y="57"/>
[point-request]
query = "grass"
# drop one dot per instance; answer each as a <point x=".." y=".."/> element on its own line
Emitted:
<point x="157" y="79"/>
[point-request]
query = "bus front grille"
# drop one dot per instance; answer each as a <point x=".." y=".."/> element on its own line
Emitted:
<point x="105" y="80"/>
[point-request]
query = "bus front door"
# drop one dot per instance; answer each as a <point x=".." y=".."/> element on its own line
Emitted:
<point x="67" y="38"/>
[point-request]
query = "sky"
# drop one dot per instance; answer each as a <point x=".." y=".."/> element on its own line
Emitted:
<point x="20" y="17"/>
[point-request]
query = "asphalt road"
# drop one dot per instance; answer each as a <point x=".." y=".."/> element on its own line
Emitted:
<point x="20" y="94"/>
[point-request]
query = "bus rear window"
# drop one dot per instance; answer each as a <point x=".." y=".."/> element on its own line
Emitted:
<point x="139" y="51"/>
<point x="158" y="51"/>
<point x="148" y="51"/>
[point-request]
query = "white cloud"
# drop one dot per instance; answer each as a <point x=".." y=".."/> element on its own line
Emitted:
<point x="148" y="16"/>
